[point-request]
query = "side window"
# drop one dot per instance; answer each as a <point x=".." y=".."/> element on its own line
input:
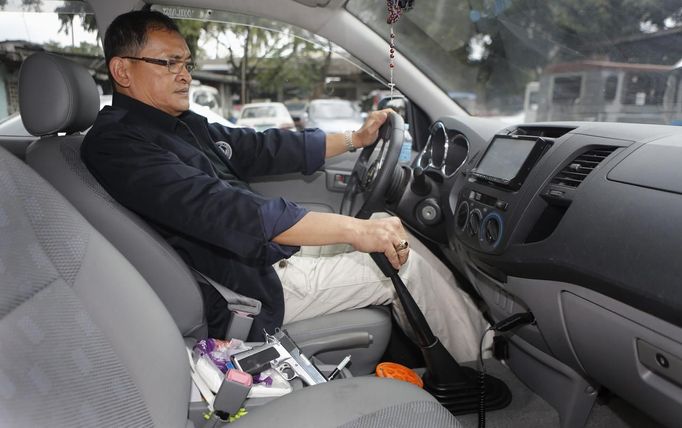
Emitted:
<point x="249" y="60"/>
<point x="67" y="28"/>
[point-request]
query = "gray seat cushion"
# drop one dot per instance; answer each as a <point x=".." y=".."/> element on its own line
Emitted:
<point x="356" y="402"/>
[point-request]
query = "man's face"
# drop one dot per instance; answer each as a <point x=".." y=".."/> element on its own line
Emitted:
<point x="153" y="84"/>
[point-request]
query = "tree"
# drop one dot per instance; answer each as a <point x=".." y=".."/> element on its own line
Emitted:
<point x="66" y="16"/>
<point x="270" y="59"/>
<point x="299" y="65"/>
<point x="259" y="46"/>
<point x="192" y="30"/>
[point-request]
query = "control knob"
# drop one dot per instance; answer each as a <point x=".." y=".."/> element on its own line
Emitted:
<point x="491" y="230"/>
<point x="474" y="222"/>
<point x="462" y="215"/>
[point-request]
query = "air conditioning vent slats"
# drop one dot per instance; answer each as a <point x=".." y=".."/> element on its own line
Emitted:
<point x="576" y="175"/>
<point x="575" y="172"/>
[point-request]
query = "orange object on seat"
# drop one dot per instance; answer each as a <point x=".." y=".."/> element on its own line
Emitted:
<point x="400" y="372"/>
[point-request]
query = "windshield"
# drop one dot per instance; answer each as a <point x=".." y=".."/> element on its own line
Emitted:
<point x="332" y="110"/>
<point x="595" y="60"/>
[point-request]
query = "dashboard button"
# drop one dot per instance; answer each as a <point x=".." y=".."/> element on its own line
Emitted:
<point x="501" y="205"/>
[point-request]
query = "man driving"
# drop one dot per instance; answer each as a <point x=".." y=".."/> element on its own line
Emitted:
<point x="188" y="179"/>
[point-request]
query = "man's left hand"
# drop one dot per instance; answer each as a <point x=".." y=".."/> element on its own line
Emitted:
<point x="368" y="133"/>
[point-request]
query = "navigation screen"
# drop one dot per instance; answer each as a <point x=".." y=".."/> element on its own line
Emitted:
<point x="505" y="157"/>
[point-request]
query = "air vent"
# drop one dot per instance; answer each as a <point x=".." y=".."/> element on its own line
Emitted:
<point x="575" y="172"/>
<point x="541" y="131"/>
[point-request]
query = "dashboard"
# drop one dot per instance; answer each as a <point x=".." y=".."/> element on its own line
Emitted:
<point x="577" y="223"/>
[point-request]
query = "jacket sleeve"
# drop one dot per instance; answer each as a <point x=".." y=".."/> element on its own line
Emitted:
<point x="274" y="151"/>
<point x="158" y="185"/>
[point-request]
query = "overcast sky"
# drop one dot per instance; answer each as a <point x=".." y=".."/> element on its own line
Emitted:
<point x="40" y="28"/>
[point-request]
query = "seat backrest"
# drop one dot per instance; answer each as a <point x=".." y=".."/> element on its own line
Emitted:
<point x="84" y="340"/>
<point x="57" y="95"/>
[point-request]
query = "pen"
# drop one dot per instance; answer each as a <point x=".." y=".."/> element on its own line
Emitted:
<point x="340" y="367"/>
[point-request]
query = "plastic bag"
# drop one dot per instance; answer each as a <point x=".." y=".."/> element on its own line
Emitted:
<point x="219" y="351"/>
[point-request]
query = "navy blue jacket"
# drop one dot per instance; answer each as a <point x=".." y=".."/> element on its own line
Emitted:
<point x="171" y="172"/>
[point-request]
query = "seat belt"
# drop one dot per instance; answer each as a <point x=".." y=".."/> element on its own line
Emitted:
<point x="242" y="308"/>
<point x="204" y="390"/>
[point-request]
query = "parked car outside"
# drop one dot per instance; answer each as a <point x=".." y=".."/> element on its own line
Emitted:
<point x="262" y="116"/>
<point x="333" y="115"/>
<point x="297" y="110"/>
<point x="206" y="96"/>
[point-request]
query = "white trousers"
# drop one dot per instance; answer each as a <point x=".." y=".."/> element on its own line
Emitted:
<point x="324" y="280"/>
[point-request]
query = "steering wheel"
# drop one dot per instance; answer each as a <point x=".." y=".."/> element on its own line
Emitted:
<point x="372" y="175"/>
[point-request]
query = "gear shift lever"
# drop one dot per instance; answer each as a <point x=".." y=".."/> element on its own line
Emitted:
<point x="454" y="386"/>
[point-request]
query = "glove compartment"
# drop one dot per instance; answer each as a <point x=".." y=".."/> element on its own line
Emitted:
<point x="636" y="356"/>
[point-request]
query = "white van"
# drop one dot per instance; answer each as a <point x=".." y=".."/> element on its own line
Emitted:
<point x="207" y="96"/>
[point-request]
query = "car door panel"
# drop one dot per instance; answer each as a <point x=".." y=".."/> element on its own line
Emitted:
<point x="321" y="191"/>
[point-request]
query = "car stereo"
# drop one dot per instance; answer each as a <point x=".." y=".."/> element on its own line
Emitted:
<point x="509" y="159"/>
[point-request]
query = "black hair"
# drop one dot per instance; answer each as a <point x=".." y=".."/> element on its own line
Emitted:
<point x="127" y="33"/>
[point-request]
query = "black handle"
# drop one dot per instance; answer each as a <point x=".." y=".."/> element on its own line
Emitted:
<point x="383" y="263"/>
<point x="424" y="335"/>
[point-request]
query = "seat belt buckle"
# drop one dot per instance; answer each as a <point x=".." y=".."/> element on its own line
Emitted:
<point x="239" y="325"/>
<point x="232" y="394"/>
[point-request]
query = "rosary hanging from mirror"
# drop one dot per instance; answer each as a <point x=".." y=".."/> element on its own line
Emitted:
<point x="395" y="11"/>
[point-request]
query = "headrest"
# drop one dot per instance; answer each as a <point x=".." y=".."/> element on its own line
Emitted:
<point x="56" y="95"/>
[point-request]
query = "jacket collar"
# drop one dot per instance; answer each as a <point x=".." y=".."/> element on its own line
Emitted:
<point x="148" y="114"/>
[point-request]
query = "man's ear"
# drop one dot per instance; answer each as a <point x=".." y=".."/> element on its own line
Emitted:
<point x="118" y="67"/>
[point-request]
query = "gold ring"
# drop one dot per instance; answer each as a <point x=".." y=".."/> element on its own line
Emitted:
<point x="401" y="246"/>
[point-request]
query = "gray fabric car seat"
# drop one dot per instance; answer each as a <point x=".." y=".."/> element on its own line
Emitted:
<point x="86" y="342"/>
<point x="56" y="96"/>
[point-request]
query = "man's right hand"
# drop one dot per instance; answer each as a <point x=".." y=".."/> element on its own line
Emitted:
<point x="380" y="235"/>
<point x="383" y="235"/>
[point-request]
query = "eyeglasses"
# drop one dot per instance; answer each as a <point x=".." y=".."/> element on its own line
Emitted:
<point x="174" y="65"/>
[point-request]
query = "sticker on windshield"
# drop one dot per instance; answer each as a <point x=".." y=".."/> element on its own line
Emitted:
<point x="178" y="12"/>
